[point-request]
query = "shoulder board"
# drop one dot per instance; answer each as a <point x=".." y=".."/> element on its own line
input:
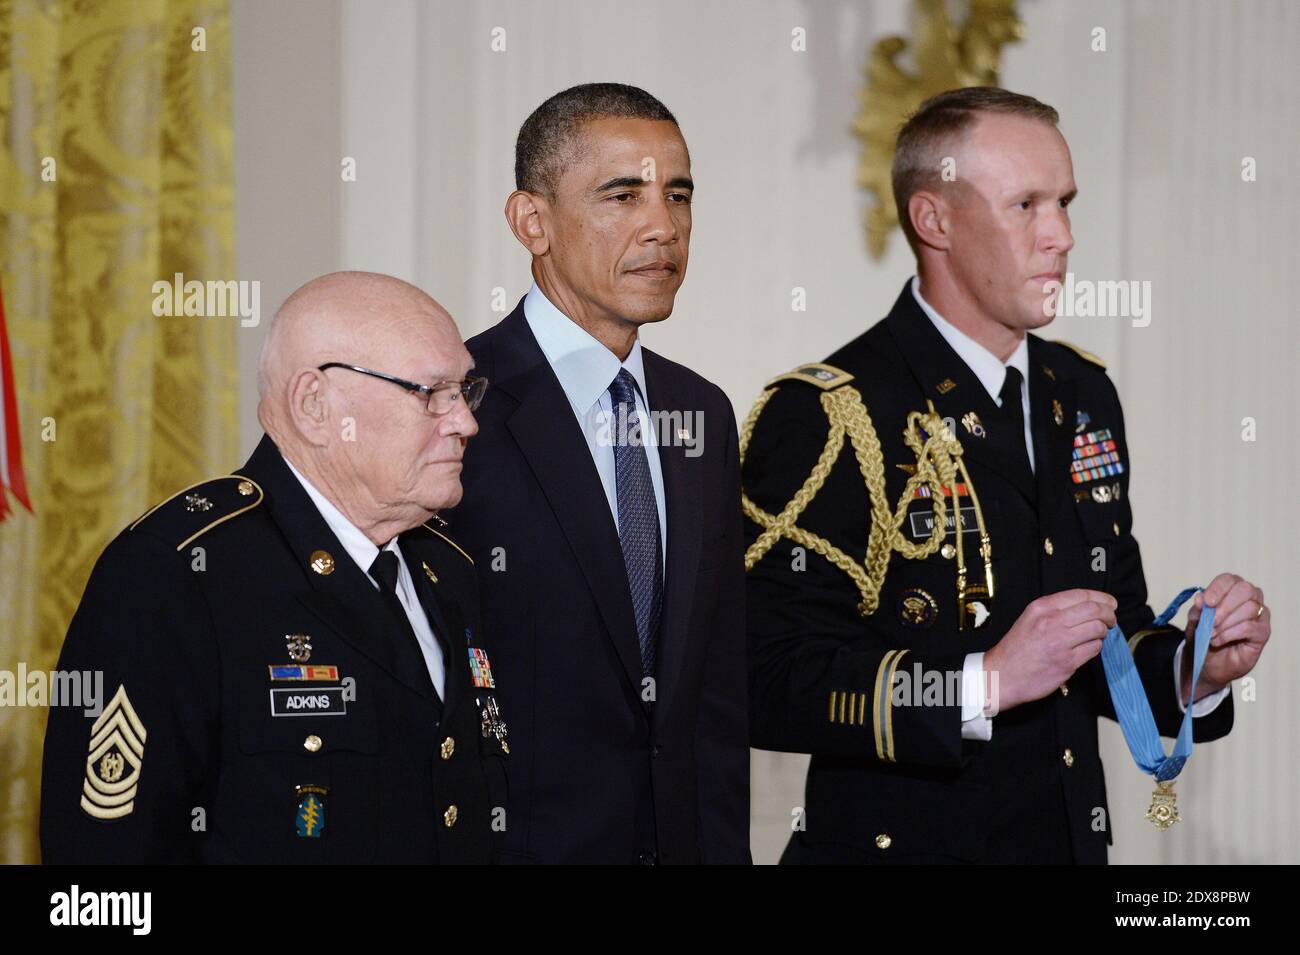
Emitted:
<point x="825" y="377"/>
<point x="190" y="513"/>
<point x="1085" y="355"/>
<point x="456" y="547"/>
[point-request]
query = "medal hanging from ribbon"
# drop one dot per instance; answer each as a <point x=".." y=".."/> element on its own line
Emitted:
<point x="1133" y="710"/>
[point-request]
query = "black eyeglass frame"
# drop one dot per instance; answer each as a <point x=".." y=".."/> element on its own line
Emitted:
<point x="471" y="389"/>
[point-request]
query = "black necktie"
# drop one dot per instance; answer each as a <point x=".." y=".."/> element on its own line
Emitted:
<point x="1015" y="415"/>
<point x="384" y="571"/>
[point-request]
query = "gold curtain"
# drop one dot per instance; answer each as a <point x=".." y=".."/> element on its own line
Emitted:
<point x="115" y="173"/>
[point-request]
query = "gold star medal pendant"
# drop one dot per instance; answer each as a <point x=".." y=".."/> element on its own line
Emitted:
<point x="1133" y="709"/>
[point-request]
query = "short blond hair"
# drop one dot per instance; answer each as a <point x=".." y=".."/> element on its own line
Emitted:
<point x="933" y="131"/>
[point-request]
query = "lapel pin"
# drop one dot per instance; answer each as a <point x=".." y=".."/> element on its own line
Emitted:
<point x="973" y="424"/>
<point x="945" y="386"/>
<point x="321" y="562"/>
<point x="428" y="572"/>
<point x="1058" y="415"/>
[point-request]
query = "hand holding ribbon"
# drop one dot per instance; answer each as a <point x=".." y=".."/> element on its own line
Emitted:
<point x="1242" y="625"/>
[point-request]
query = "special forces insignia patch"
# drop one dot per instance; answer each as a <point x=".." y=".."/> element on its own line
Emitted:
<point x="309" y="820"/>
<point x="114" y="760"/>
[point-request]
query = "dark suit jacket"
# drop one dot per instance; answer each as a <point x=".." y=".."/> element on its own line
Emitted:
<point x="210" y="750"/>
<point x="596" y="774"/>
<point x="891" y="782"/>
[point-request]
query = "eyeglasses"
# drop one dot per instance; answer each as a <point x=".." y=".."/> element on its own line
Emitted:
<point x="442" y="395"/>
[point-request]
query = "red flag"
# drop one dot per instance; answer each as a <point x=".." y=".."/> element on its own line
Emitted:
<point x="11" y="448"/>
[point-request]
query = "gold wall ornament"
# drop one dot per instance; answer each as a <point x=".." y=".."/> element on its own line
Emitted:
<point x="945" y="58"/>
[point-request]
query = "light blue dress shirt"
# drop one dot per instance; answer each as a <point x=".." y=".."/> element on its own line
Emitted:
<point x="586" y="368"/>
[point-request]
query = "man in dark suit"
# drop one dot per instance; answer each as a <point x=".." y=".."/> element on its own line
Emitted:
<point x="291" y="653"/>
<point x="602" y="510"/>
<point x="941" y="535"/>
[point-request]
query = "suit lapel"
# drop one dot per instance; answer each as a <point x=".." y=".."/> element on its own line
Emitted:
<point x="543" y="427"/>
<point x="683" y="499"/>
<point x="958" y="395"/>
<point x="1050" y="399"/>
<point x="344" y="598"/>
<point x="444" y="613"/>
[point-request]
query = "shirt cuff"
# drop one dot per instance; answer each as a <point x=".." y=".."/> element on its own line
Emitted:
<point x="974" y="724"/>
<point x="1206" y="704"/>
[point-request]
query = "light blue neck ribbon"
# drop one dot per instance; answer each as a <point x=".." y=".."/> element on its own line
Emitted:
<point x="1130" y="698"/>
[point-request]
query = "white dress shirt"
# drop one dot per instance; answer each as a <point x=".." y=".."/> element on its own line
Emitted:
<point x="586" y="368"/>
<point x="991" y="372"/>
<point x="988" y="368"/>
<point x="363" y="552"/>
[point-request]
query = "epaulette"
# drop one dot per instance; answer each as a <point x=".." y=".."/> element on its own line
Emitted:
<point x="456" y="547"/>
<point x="190" y="513"/>
<point x="1085" y="355"/>
<point x="825" y="377"/>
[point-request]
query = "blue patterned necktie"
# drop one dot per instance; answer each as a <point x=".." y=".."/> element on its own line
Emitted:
<point x="638" y="520"/>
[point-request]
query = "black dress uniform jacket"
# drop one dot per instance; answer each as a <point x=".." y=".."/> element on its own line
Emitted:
<point x="200" y="756"/>
<point x="597" y="775"/>
<point x="891" y="782"/>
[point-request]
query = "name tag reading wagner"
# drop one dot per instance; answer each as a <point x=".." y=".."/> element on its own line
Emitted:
<point x="320" y="701"/>
<point x="921" y="523"/>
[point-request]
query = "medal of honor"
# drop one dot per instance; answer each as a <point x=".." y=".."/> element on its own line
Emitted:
<point x="1133" y="710"/>
<point x="1163" y="811"/>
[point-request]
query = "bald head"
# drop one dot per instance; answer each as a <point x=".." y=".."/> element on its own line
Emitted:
<point x="339" y="316"/>
<point x="371" y="446"/>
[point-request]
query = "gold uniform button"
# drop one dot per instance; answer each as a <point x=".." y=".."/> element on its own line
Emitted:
<point x="948" y="551"/>
<point x="883" y="841"/>
<point x="1068" y="756"/>
<point x="245" y="488"/>
<point x="448" y="747"/>
<point x="1047" y="546"/>
<point x="450" y="816"/>
<point x="1065" y="690"/>
<point x="312" y="743"/>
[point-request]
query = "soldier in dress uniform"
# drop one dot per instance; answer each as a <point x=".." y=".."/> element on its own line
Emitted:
<point x="293" y="669"/>
<point x="940" y="536"/>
